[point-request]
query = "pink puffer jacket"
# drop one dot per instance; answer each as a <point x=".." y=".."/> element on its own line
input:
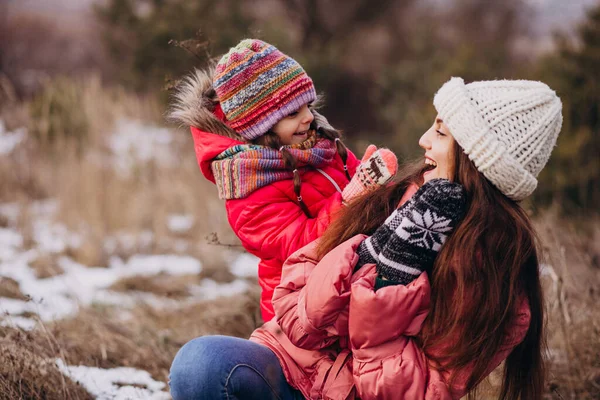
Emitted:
<point x="336" y="338"/>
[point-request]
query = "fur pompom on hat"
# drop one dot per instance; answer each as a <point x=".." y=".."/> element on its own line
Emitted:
<point x="508" y="128"/>
<point x="257" y="86"/>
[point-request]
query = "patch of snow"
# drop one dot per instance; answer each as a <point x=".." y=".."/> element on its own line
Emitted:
<point x="10" y="140"/>
<point x="15" y="306"/>
<point x="134" y="142"/>
<point x="210" y="290"/>
<point x="17" y="267"/>
<point x="11" y="212"/>
<point x="53" y="237"/>
<point x="62" y="295"/>
<point x="44" y="208"/>
<point x="146" y="265"/>
<point x="129" y="242"/>
<point x="10" y="241"/>
<point x="179" y="223"/>
<point x="116" y="383"/>
<point x="26" y="324"/>
<point x="245" y="266"/>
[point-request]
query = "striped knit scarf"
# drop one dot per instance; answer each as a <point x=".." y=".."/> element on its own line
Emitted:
<point x="244" y="168"/>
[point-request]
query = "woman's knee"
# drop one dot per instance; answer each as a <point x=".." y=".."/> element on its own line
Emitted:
<point x="193" y="369"/>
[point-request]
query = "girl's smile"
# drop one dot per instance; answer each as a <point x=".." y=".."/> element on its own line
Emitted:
<point x="301" y="135"/>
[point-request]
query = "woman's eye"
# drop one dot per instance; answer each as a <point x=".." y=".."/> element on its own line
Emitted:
<point x="441" y="133"/>
<point x="293" y="114"/>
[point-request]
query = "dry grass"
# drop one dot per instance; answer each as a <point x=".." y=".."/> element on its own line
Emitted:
<point x="46" y="266"/>
<point x="28" y="372"/>
<point x="10" y="288"/>
<point x="160" y="285"/>
<point x="97" y="200"/>
<point x="572" y="296"/>
<point x="144" y="338"/>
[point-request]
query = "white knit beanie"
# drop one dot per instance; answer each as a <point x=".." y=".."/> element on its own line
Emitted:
<point x="507" y="128"/>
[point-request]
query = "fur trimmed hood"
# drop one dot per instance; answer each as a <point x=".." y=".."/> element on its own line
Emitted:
<point x="194" y="104"/>
<point x="195" y="101"/>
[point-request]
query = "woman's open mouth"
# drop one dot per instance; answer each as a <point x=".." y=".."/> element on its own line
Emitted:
<point x="430" y="165"/>
<point x="303" y="133"/>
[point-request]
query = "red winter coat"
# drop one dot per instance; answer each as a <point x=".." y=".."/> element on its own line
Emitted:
<point x="269" y="222"/>
<point x="336" y="338"/>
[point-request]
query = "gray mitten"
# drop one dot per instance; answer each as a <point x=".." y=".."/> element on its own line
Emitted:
<point x="409" y="240"/>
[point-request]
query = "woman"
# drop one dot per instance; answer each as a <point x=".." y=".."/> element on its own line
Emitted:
<point x="357" y="318"/>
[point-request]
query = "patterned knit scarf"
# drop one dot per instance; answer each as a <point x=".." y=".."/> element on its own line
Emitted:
<point x="242" y="169"/>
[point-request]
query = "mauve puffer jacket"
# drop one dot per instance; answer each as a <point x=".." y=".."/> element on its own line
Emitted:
<point x="336" y="338"/>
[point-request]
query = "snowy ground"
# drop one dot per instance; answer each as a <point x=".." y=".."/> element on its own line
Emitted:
<point x="77" y="286"/>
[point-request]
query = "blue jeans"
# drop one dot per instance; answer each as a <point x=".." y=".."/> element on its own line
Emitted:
<point x="223" y="367"/>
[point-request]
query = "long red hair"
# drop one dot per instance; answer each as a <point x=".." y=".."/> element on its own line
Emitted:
<point x="491" y="256"/>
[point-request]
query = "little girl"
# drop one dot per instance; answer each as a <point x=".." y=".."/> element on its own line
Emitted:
<point x="278" y="164"/>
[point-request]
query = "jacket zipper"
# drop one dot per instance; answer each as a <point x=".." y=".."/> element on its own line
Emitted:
<point x="334" y="183"/>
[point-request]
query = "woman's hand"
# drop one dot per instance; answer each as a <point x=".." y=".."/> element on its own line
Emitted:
<point x="409" y="240"/>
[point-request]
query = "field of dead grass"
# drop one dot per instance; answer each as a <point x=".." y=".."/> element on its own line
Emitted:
<point x="121" y="203"/>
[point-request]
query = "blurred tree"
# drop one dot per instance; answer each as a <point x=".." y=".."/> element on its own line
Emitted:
<point x="378" y="64"/>
<point x="138" y="33"/>
<point x="344" y="46"/>
<point x="35" y="47"/>
<point x="473" y="39"/>
<point x="572" y="177"/>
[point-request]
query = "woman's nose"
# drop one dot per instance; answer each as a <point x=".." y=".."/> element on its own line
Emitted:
<point x="424" y="141"/>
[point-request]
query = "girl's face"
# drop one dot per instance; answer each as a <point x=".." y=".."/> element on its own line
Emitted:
<point x="438" y="144"/>
<point x="293" y="129"/>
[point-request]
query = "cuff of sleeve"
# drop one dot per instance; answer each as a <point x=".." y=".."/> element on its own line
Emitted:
<point x="380" y="283"/>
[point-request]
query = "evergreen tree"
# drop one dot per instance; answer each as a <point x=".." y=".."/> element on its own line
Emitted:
<point x="573" y="173"/>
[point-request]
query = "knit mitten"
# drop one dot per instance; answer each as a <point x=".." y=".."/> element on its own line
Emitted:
<point x="377" y="168"/>
<point x="409" y="240"/>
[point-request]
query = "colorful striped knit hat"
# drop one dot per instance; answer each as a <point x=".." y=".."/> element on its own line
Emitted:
<point x="258" y="85"/>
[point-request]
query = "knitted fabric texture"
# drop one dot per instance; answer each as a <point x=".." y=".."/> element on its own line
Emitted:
<point x="377" y="168"/>
<point x="507" y="128"/>
<point x="410" y="238"/>
<point x="258" y="85"/>
<point x="242" y="169"/>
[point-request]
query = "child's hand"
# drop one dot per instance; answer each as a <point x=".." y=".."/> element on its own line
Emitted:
<point x="377" y="167"/>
